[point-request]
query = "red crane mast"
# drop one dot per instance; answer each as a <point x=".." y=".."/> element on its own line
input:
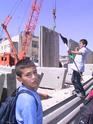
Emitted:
<point x="30" y="26"/>
<point x="13" y="50"/>
<point x="13" y="55"/>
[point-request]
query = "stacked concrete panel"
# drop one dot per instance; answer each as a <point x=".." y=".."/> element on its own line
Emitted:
<point x="53" y="78"/>
<point x="7" y="81"/>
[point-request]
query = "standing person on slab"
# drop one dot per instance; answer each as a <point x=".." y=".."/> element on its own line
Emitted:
<point x="78" y="66"/>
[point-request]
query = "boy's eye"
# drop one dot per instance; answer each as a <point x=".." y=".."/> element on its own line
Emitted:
<point x="31" y="73"/>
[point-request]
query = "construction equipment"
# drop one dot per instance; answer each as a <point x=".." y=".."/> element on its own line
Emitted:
<point x="9" y="58"/>
<point x="12" y="57"/>
<point x="30" y="27"/>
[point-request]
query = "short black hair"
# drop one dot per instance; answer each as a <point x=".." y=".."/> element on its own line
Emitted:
<point x="84" y="41"/>
<point x="24" y="63"/>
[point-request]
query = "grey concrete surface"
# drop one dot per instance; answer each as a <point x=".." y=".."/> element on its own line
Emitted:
<point x="2" y="79"/>
<point x="48" y="48"/>
<point x="53" y="77"/>
<point x="7" y="81"/>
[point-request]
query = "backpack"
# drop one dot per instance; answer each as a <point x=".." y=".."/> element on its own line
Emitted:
<point x="7" y="108"/>
<point x="85" y="116"/>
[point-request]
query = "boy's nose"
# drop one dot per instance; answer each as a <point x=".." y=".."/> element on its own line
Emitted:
<point x="34" y="75"/>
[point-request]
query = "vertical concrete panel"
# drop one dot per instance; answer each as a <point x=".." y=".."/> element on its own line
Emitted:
<point x="4" y="87"/>
<point x="11" y="82"/>
<point x="49" y="48"/>
<point x="2" y="79"/>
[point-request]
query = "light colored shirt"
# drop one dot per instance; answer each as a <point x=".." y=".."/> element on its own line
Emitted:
<point x="28" y="108"/>
<point x="80" y="60"/>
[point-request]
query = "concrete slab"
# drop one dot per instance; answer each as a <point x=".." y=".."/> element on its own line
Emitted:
<point x="53" y="77"/>
<point x="86" y="74"/>
<point x="6" y="69"/>
<point x="86" y="77"/>
<point x="56" y="96"/>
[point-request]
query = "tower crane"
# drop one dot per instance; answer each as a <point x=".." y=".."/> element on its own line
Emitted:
<point x="29" y="30"/>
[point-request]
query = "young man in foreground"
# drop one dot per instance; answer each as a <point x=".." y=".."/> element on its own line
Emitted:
<point x="28" y="107"/>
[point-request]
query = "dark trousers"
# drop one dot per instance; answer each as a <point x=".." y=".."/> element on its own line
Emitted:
<point x="76" y="80"/>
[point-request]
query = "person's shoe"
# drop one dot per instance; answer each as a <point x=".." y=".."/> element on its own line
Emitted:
<point x="74" y="92"/>
<point x="80" y="95"/>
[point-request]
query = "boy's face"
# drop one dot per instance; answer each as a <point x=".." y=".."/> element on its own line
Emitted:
<point x="81" y="44"/>
<point x="29" y="77"/>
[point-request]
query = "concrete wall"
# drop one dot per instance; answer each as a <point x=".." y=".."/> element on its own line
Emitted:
<point x="48" y="48"/>
<point x="7" y="81"/>
<point x="89" y="58"/>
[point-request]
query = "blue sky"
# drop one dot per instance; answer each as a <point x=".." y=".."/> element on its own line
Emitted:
<point x="74" y="18"/>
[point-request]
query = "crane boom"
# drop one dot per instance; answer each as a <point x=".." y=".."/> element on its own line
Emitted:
<point x="14" y="53"/>
<point x="30" y="26"/>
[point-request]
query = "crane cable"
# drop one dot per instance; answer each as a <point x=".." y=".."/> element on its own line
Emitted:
<point x="23" y="17"/>
<point x="12" y="12"/>
<point x="54" y="15"/>
<point x="15" y="7"/>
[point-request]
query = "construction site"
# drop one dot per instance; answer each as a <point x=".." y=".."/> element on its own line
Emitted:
<point x="61" y="106"/>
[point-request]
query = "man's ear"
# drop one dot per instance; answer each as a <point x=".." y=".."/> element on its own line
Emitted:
<point x="84" y="45"/>
<point x="18" y="78"/>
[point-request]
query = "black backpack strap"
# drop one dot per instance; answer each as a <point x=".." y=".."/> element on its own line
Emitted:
<point x="10" y="116"/>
